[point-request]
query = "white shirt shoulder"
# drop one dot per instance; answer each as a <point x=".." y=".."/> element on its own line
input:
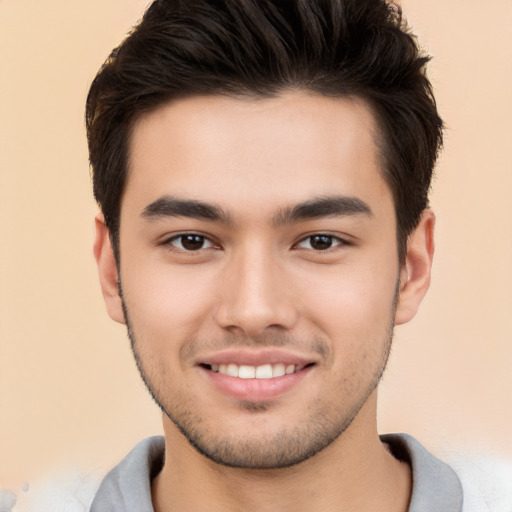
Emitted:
<point x="486" y="481"/>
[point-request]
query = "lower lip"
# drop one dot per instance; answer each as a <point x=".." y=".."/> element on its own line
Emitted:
<point x="256" y="390"/>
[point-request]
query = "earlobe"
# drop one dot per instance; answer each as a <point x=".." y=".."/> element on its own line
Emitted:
<point x="107" y="270"/>
<point x="415" y="274"/>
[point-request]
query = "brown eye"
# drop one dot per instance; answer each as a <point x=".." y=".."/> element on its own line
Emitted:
<point x="190" y="242"/>
<point x="320" y="242"/>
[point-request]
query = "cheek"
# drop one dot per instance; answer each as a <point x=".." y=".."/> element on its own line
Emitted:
<point x="163" y="303"/>
<point x="357" y="317"/>
<point x="355" y="299"/>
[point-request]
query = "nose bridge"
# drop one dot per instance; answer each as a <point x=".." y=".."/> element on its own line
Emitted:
<point x="255" y="295"/>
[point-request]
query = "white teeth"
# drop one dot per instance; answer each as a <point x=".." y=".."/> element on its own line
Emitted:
<point x="232" y="370"/>
<point x="264" y="371"/>
<point x="278" y="370"/>
<point x="246" y="372"/>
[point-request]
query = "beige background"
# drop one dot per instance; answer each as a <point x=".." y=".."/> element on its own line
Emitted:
<point x="69" y="391"/>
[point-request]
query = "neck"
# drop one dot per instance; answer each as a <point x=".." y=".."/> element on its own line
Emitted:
<point x="339" y="478"/>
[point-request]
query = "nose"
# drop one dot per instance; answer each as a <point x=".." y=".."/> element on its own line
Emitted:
<point x="255" y="295"/>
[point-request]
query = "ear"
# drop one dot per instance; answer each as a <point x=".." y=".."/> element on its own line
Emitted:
<point x="107" y="270"/>
<point x="415" y="272"/>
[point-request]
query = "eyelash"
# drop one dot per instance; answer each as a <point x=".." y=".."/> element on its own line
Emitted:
<point x="182" y="236"/>
<point x="331" y="240"/>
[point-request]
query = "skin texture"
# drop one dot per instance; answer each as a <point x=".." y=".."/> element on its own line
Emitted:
<point x="255" y="285"/>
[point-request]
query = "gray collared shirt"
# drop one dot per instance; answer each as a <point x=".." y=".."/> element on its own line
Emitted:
<point x="127" y="487"/>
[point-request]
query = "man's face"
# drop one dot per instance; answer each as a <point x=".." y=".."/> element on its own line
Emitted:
<point x="259" y="271"/>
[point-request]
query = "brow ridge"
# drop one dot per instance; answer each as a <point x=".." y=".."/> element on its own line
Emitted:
<point x="168" y="206"/>
<point x="328" y="206"/>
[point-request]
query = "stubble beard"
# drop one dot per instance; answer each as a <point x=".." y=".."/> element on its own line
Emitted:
<point x="279" y="450"/>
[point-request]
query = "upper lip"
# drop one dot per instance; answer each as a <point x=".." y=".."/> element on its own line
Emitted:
<point x="255" y="357"/>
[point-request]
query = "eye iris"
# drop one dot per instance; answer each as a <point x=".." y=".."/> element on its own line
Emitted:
<point x="192" y="242"/>
<point x="321" y="242"/>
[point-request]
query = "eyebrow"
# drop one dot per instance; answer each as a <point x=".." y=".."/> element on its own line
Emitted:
<point x="167" y="206"/>
<point x="331" y="206"/>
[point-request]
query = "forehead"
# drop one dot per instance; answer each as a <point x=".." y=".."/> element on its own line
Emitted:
<point x="253" y="153"/>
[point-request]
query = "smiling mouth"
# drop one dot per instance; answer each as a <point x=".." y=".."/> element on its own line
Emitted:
<point x="264" y="371"/>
